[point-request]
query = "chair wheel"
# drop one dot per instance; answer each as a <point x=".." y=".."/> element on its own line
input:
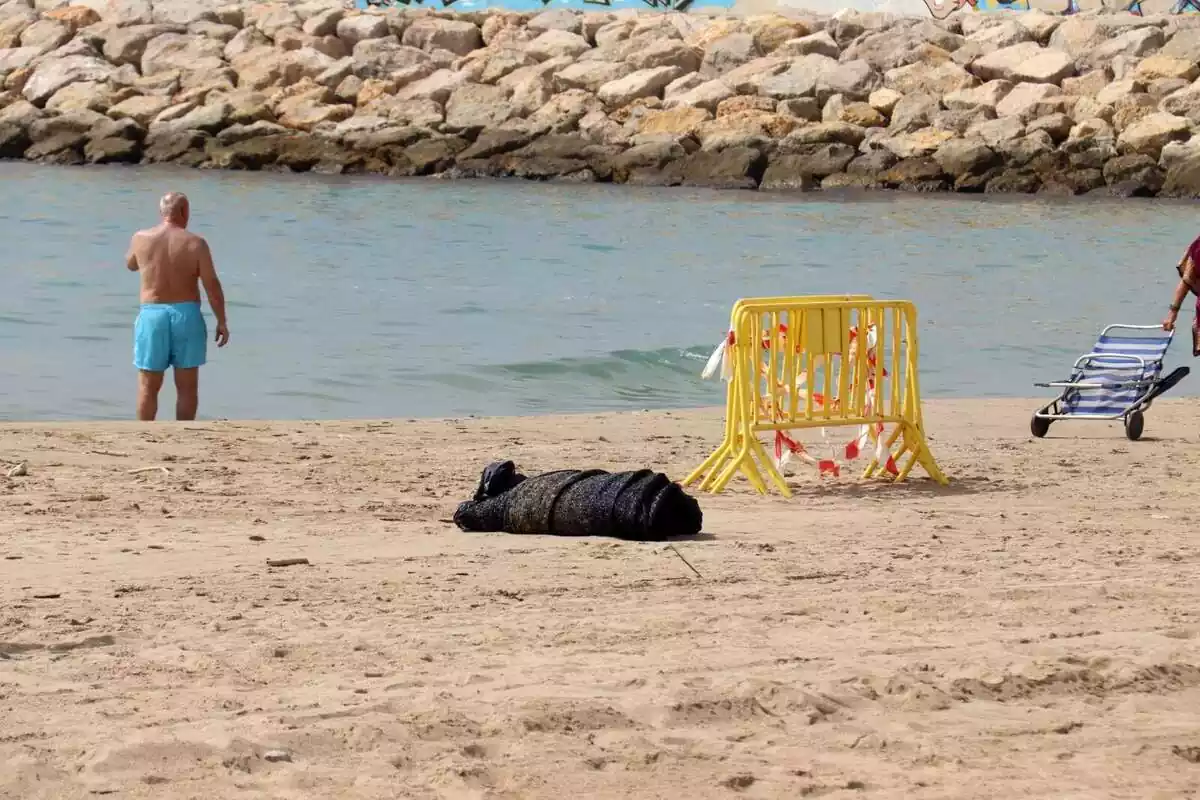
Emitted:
<point x="1039" y="425"/>
<point x="1134" y="423"/>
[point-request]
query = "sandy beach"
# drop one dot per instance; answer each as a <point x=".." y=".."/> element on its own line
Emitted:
<point x="1030" y="630"/>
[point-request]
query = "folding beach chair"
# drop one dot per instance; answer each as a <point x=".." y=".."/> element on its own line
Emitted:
<point x="1118" y="379"/>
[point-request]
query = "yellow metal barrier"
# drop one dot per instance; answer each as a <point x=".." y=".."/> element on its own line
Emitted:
<point x="816" y="362"/>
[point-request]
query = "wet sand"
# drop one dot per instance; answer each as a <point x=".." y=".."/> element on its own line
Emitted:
<point x="1028" y="631"/>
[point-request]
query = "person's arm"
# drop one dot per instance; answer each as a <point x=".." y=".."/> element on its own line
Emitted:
<point x="216" y="295"/>
<point x="131" y="261"/>
<point x="1185" y="273"/>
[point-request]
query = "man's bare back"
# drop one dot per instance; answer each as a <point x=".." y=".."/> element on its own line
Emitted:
<point x="170" y="261"/>
<point x="170" y="332"/>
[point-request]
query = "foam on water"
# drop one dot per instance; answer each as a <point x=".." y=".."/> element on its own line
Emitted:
<point x="367" y="297"/>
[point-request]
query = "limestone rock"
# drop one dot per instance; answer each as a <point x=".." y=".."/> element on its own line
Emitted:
<point x="707" y="95"/>
<point x="916" y="144"/>
<point x="823" y="133"/>
<point x="1079" y="35"/>
<point x="1137" y="43"/>
<point x="801" y="79"/>
<point x="45" y="35"/>
<point x="353" y="30"/>
<point x="1161" y="66"/>
<point x="935" y="79"/>
<point x="437" y="87"/>
<point x="667" y="53"/>
<point x="1150" y="133"/>
<point x="430" y="33"/>
<point x="1025" y="63"/>
<point x="86" y="95"/>
<point x="965" y="157"/>
<point x="643" y="83"/>
<point x="1058" y="125"/>
<point x="381" y="58"/>
<point x="988" y="95"/>
<point x="558" y="19"/>
<point x="681" y="121"/>
<point x="14" y="20"/>
<point x="855" y="79"/>
<point x="805" y="108"/>
<point x="1005" y="34"/>
<point x="50" y="76"/>
<point x="556" y="44"/>
<point x="997" y="132"/>
<point x="914" y="112"/>
<point x="749" y="77"/>
<point x="1087" y="84"/>
<point x="306" y="111"/>
<point x="174" y="51"/>
<point x="1183" y="103"/>
<point x="324" y="23"/>
<point x="473" y="107"/>
<point x="884" y="100"/>
<point x="1184" y="45"/>
<point x="819" y="43"/>
<point x="140" y="109"/>
<point x="1024" y="101"/>
<point x="728" y="52"/>
<point x="591" y="75"/>
<point x="17" y="58"/>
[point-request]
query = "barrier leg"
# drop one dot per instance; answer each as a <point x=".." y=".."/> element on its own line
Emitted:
<point x="769" y="467"/>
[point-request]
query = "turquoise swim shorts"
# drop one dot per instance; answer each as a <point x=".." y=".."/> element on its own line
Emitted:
<point x="169" y="334"/>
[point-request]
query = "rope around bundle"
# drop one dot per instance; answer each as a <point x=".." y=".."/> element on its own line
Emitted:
<point x="787" y="447"/>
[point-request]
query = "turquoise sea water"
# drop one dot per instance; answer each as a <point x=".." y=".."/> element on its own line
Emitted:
<point x="362" y="297"/>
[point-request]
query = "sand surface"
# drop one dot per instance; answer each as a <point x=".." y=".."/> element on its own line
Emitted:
<point x="1029" y="631"/>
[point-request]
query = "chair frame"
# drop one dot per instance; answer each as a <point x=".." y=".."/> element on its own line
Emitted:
<point x="1133" y="411"/>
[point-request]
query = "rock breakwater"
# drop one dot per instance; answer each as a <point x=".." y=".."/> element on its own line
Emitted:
<point x="1027" y="102"/>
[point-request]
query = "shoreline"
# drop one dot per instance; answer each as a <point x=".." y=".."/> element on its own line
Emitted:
<point x="1022" y="103"/>
<point x="1029" y="629"/>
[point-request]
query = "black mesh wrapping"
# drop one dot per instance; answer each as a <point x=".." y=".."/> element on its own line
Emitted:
<point x="642" y="505"/>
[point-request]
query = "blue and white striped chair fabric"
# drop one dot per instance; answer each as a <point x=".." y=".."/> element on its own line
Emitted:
<point x="1112" y="363"/>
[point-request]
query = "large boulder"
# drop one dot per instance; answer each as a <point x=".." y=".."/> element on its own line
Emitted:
<point x="988" y="96"/>
<point x="728" y="52"/>
<point x="46" y="35"/>
<point x="431" y="33"/>
<point x="1025" y="63"/>
<point x="1134" y="43"/>
<point x="13" y="20"/>
<point x="707" y="95"/>
<point x="590" y="75"/>
<point x="383" y="58"/>
<point x="1161" y="66"/>
<point x="936" y="79"/>
<point x="473" y="107"/>
<point x="52" y="75"/>
<point x="128" y="45"/>
<point x="1149" y="134"/>
<point x="15" y="58"/>
<point x="364" y="27"/>
<point x="1025" y="100"/>
<point x="643" y="83"/>
<point x="183" y="52"/>
<point x="800" y="79"/>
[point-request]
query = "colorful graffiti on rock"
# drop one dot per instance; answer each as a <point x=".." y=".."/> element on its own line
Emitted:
<point x="538" y="5"/>
<point x="940" y="9"/>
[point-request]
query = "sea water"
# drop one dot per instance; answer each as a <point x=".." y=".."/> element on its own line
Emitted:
<point x="367" y="297"/>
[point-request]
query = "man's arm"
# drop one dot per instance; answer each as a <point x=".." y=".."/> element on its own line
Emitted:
<point x="131" y="261"/>
<point x="1186" y="269"/>
<point x="212" y="288"/>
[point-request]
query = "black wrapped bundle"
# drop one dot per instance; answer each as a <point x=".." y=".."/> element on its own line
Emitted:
<point x="642" y="505"/>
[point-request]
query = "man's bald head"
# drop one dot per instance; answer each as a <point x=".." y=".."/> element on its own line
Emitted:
<point x="174" y="207"/>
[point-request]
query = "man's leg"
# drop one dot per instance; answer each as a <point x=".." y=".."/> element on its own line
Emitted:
<point x="187" y="392"/>
<point x="148" y="385"/>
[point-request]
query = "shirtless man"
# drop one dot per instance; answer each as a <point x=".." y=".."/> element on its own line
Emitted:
<point x="170" y="329"/>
